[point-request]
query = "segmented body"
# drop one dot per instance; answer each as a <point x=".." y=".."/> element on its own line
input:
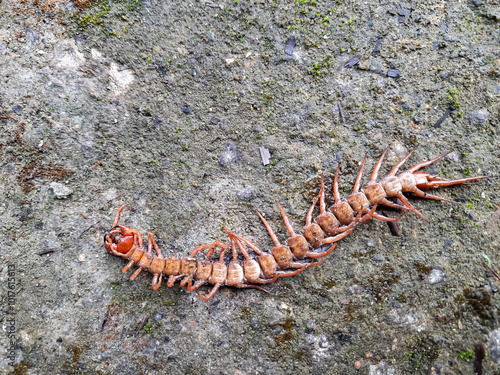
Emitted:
<point x="318" y="239"/>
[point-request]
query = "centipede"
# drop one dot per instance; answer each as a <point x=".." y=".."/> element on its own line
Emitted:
<point x="248" y="266"/>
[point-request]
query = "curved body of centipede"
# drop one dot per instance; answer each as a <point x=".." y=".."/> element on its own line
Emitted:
<point x="318" y="239"/>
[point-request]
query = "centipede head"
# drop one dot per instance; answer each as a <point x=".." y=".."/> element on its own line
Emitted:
<point x="120" y="240"/>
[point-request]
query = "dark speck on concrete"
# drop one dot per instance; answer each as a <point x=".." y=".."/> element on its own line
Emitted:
<point x="186" y="110"/>
<point x="229" y="156"/>
<point x="214" y="120"/>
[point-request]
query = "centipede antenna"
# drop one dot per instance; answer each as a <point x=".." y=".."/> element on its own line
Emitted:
<point x="394" y="169"/>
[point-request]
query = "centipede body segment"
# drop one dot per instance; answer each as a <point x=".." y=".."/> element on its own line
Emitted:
<point x="317" y="239"/>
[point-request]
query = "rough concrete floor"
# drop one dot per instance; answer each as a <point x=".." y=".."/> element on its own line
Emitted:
<point x="163" y="106"/>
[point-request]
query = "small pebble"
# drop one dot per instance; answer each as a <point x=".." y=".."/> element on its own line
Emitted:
<point x="60" y="191"/>
<point x="393" y="73"/>
<point x="437" y="276"/>
<point x="494" y="347"/>
<point x="478" y="118"/>
<point x="377" y="47"/>
<point x="158" y="316"/>
<point x="186" y="110"/>
<point x="450" y="38"/>
<point x="17" y="109"/>
<point x="289" y="46"/>
<point x="378" y="258"/>
<point x="244" y="195"/>
<point x="229" y="156"/>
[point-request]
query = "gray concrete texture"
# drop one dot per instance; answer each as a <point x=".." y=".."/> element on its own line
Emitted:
<point x="163" y="106"/>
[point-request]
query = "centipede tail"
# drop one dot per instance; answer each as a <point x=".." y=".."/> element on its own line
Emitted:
<point x="317" y="239"/>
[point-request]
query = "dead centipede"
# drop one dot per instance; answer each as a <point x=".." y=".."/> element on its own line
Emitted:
<point x="318" y="239"/>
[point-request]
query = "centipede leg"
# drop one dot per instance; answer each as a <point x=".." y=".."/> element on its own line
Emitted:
<point x="376" y="168"/>
<point x="117" y="217"/>
<point x="297" y="271"/>
<point x="270" y="231"/>
<point x="186" y="280"/>
<point x="388" y="203"/>
<point x="135" y="274"/>
<point x="407" y="203"/>
<point x="172" y="279"/>
<point x="422" y="194"/>
<point x="423" y="164"/>
<point x="306" y="265"/>
<point x="395" y="169"/>
<point x="253" y="286"/>
<point x="389" y="219"/>
<point x="357" y="183"/>
<point x="209" y="295"/>
<point x="127" y="267"/>
<point x="435" y="181"/>
<point x="156" y="283"/>
<point x="197" y="284"/>
<point x="312" y="254"/>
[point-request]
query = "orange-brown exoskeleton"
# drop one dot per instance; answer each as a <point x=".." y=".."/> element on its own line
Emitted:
<point x="318" y="239"/>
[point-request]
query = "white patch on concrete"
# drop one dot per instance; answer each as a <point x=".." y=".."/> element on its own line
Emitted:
<point x="121" y="79"/>
<point x="67" y="57"/>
